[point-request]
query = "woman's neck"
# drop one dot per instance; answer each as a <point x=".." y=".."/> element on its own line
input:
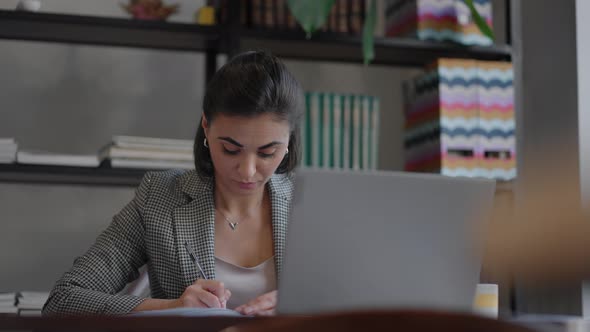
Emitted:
<point x="242" y="206"/>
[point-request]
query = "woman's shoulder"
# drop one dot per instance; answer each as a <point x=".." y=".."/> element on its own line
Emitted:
<point x="175" y="186"/>
<point x="282" y="185"/>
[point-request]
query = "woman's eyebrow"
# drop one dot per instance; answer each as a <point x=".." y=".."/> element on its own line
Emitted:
<point x="231" y="140"/>
<point x="273" y="143"/>
<point x="234" y="142"/>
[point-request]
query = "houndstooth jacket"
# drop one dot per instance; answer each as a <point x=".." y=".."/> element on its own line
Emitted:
<point x="169" y="208"/>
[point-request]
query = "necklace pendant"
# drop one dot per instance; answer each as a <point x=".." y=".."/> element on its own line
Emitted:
<point x="233" y="225"/>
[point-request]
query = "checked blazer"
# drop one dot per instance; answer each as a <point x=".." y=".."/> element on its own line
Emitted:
<point x="169" y="209"/>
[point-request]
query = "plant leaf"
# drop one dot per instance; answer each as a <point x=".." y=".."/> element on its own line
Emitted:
<point x="368" y="34"/>
<point x="479" y="21"/>
<point x="311" y="14"/>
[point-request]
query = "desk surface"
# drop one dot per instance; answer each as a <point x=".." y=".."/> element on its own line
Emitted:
<point x="363" y="321"/>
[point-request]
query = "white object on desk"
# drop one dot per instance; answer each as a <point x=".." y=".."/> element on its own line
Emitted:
<point x="485" y="302"/>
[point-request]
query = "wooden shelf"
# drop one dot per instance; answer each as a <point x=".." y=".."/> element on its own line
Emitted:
<point x="94" y="30"/>
<point x="101" y="176"/>
<point x="346" y="48"/>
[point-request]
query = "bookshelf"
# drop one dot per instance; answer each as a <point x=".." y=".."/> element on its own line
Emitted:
<point x="41" y="174"/>
<point x="229" y="38"/>
<point x="336" y="47"/>
<point x="94" y="30"/>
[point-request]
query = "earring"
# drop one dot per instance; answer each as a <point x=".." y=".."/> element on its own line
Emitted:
<point x="205" y="143"/>
<point x="287" y="151"/>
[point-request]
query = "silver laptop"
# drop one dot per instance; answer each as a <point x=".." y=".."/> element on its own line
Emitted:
<point x="383" y="240"/>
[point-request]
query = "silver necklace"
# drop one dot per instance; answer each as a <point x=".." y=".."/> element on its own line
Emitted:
<point x="233" y="225"/>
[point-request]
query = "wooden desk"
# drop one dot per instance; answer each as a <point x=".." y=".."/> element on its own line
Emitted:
<point x="421" y="321"/>
<point x="115" y="324"/>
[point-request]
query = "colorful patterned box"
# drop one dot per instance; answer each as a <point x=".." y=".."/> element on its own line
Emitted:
<point x="460" y="120"/>
<point x="448" y="20"/>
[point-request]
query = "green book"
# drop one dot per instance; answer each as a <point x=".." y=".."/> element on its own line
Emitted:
<point x="337" y="131"/>
<point x="366" y="125"/>
<point x="356" y="132"/>
<point x="305" y="132"/>
<point x="315" y="125"/>
<point x="326" y="130"/>
<point x="347" y="132"/>
<point x="375" y="133"/>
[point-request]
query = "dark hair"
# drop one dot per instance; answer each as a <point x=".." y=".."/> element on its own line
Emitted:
<point x="251" y="84"/>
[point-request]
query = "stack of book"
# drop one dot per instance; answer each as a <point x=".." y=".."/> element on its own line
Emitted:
<point x="148" y="153"/>
<point x="32" y="157"/>
<point x="31" y="303"/>
<point x="8" y="304"/>
<point x="346" y="16"/>
<point x="340" y="131"/>
<point x="8" y="149"/>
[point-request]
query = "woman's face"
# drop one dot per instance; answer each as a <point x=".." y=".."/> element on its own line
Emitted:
<point x="246" y="151"/>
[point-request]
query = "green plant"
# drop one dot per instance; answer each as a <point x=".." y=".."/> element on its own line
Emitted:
<point x="312" y="15"/>
<point x="479" y="21"/>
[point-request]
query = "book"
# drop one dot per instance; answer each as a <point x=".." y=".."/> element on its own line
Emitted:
<point x="356" y="132"/>
<point x="150" y="164"/>
<point x="337" y="131"/>
<point x="366" y="126"/>
<point x="347" y="132"/>
<point x="281" y="14"/>
<point x="132" y="141"/>
<point x="315" y="140"/>
<point x="304" y="133"/>
<point x="30" y="312"/>
<point x="326" y="130"/>
<point x="374" y="133"/>
<point x="113" y="152"/>
<point x="4" y="297"/>
<point x="57" y="159"/>
<point x="8" y="310"/>
<point x="33" y="295"/>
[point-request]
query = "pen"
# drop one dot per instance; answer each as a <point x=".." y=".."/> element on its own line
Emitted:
<point x="194" y="257"/>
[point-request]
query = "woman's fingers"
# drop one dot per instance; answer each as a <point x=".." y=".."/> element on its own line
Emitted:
<point x="262" y="305"/>
<point x="217" y="288"/>
<point x="209" y="299"/>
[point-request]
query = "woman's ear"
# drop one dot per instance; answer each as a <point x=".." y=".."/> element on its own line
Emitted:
<point x="205" y="125"/>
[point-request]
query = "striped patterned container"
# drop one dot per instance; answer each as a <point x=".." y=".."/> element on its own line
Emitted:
<point x="448" y="20"/>
<point x="460" y="120"/>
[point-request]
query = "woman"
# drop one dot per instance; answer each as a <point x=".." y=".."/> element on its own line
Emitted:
<point x="213" y="237"/>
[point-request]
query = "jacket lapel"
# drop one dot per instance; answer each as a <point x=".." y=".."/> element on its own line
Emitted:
<point x="280" y="190"/>
<point x="195" y="224"/>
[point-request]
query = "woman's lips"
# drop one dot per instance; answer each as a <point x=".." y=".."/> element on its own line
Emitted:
<point x="247" y="185"/>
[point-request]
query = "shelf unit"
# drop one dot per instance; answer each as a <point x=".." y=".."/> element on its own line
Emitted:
<point x="229" y="39"/>
<point x="104" y="175"/>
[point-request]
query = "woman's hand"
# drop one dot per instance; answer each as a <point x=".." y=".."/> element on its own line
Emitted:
<point x="204" y="294"/>
<point x="264" y="305"/>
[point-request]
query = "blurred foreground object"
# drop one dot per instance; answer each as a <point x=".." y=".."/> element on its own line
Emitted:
<point x="381" y="321"/>
<point x="150" y="9"/>
<point x="546" y="238"/>
<point x="29" y="5"/>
